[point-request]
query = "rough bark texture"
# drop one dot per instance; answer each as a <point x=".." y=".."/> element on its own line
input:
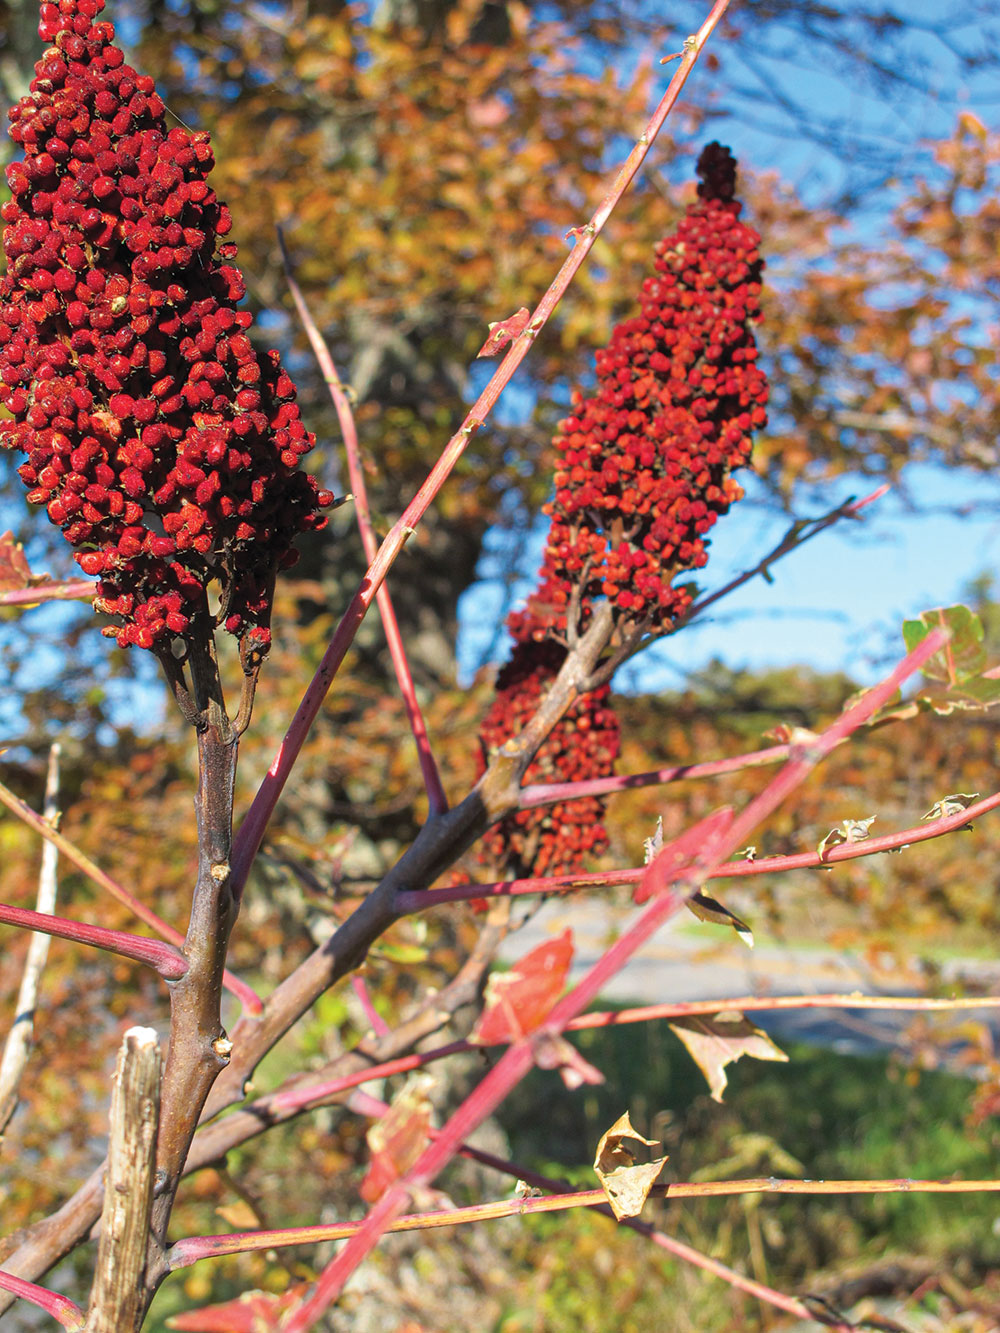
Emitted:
<point x="117" y="1303"/>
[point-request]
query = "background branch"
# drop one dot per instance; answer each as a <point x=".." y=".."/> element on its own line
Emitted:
<point x="20" y="1039"/>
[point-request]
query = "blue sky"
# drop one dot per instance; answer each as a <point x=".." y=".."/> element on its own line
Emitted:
<point x="836" y="603"/>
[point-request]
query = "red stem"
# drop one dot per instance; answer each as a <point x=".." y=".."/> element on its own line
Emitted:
<point x="251" y="831"/>
<point x="59" y="1307"/>
<point x="669" y="895"/>
<point x="191" y="1249"/>
<point x="248" y="997"/>
<point x="416" y="901"/>
<point x="294" y="1099"/>
<point x="738" y="1280"/>
<point x="544" y="793"/>
<point x="437" y="800"/>
<point x="63" y="591"/>
<point x="379" y="1025"/>
<point x="168" y="961"/>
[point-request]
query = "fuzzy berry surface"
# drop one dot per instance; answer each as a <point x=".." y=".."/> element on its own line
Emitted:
<point x="165" y="447"/>
<point x="558" y="839"/>
<point x="645" y="462"/>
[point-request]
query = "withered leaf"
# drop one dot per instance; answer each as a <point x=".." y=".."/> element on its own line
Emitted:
<point x="706" y="908"/>
<point x="397" y="1140"/>
<point x="652" y="847"/>
<point x="786" y="734"/>
<point x="951" y="805"/>
<point x="721" y="1040"/>
<point x="848" y="830"/>
<point x="626" y="1183"/>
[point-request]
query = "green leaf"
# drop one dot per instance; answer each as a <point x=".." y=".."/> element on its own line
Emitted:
<point x="960" y="659"/>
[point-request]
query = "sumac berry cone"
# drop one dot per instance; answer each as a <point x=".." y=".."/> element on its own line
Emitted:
<point x="165" y="447"/>
<point x="560" y="838"/>
<point x="646" y="461"/>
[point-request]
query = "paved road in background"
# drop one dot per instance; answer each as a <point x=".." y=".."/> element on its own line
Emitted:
<point x="678" y="964"/>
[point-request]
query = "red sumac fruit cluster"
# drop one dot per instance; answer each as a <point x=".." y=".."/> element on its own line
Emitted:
<point x="165" y="448"/>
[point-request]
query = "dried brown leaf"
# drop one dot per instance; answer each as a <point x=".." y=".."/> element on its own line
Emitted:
<point x="721" y="1040"/>
<point x="625" y="1182"/>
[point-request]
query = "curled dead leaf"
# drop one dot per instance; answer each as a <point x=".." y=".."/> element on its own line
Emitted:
<point x="706" y="908"/>
<point x="653" y="846"/>
<point x="625" y="1182"/>
<point x="951" y="805"/>
<point x="848" y="830"/>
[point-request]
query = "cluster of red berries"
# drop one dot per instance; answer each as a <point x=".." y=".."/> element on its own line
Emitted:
<point x="646" y="461"/>
<point x="165" y="448"/>
<point x="644" y="472"/>
<point x="555" y="839"/>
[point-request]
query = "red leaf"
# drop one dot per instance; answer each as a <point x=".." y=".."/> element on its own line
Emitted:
<point x="398" y="1139"/>
<point x="15" y="573"/>
<point x="505" y="331"/>
<point x="693" y="850"/>
<point x="519" y="1001"/>
<point x="253" y="1312"/>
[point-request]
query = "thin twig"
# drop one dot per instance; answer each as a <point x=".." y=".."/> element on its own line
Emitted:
<point x="283" y="1103"/>
<point x="158" y="954"/>
<point x="20" y="1039"/>
<point x="70" y="590"/>
<point x="248" y="997"/>
<point x="61" y="1308"/>
<point x="194" y="1248"/>
<point x="797" y="535"/>
<point x="545" y="793"/>
<point x="436" y="797"/>
<point x="417" y="901"/>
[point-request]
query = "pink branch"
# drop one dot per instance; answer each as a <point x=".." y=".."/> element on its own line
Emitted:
<point x="301" y="1097"/>
<point x="668" y="882"/>
<point x="748" y="1284"/>
<point x="379" y="1025"/>
<point x="436" y="797"/>
<point x="251" y="831"/>
<point x="415" y="901"/>
<point x="63" y="591"/>
<point x="59" y="1307"/>
<point x="544" y="793"/>
<point x="249" y="999"/>
<point x="168" y="961"/>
